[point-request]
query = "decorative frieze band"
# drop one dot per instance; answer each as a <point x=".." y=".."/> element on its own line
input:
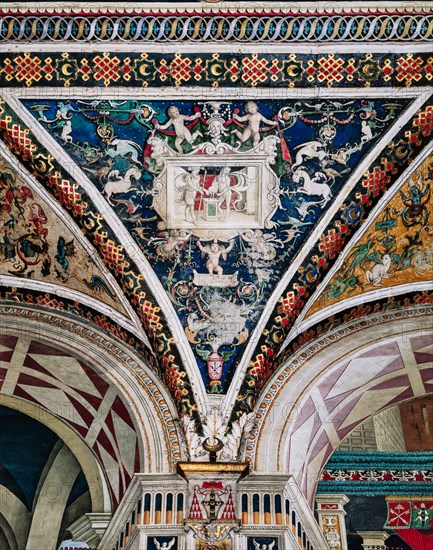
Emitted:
<point x="148" y="70"/>
<point x="217" y="27"/>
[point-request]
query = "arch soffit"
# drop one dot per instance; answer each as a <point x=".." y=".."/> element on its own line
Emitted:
<point x="14" y="519"/>
<point x="91" y="469"/>
<point x="283" y="406"/>
<point x="151" y="408"/>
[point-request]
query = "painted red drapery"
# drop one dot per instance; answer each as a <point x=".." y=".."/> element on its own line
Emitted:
<point x="416" y="539"/>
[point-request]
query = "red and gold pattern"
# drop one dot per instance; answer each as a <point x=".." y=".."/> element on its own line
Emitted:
<point x="334" y="240"/>
<point x="16" y="138"/>
<point x="29" y="68"/>
<point x="409" y="70"/>
<point x="378" y="179"/>
<point x="215" y="69"/>
<point x="328" y="70"/>
<point x="110" y="69"/>
<point x="384" y="171"/>
<point x="68" y="194"/>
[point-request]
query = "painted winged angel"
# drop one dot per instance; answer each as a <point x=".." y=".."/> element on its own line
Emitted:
<point x="258" y="546"/>
<point x="164" y="545"/>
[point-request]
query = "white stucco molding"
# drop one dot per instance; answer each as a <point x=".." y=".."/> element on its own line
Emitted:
<point x="364" y="6"/>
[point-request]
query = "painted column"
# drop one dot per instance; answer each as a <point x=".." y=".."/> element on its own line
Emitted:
<point x="330" y="510"/>
<point x="373" y="540"/>
<point x="239" y="542"/>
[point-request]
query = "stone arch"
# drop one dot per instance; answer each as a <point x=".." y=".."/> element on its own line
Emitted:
<point x="49" y="508"/>
<point x="92" y="470"/>
<point x="333" y="384"/>
<point x="133" y="409"/>
<point x="14" y="519"/>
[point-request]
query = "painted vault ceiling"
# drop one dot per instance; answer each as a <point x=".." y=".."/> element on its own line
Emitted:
<point x="393" y="249"/>
<point x="37" y="246"/>
<point x="219" y="196"/>
<point x="204" y="223"/>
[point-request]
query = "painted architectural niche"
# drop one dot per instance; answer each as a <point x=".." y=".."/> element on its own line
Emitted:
<point x="219" y="194"/>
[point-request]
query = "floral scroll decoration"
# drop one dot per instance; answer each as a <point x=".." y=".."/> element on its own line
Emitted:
<point x="219" y="195"/>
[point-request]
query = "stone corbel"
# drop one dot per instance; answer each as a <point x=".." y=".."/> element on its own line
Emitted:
<point x="90" y="527"/>
<point x="373" y="540"/>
